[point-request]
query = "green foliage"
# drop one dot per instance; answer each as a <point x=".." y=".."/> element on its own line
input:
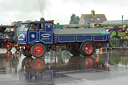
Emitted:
<point x="18" y="23"/>
<point x="74" y="19"/>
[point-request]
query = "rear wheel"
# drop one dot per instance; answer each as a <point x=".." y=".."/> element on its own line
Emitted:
<point x="75" y="52"/>
<point x="26" y="52"/>
<point x="8" y="46"/>
<point x="38" y="50"/>
<point x="88" y="48"/>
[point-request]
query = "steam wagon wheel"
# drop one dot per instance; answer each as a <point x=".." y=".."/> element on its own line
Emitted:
<point x="38" y="64"/>
<point x="114" y="41"/>
<point x="38" y="50"/>
<point x="75" y="52"/>
<point x="88" y="48"/>
<point x="26" y="52"/>
<point x="88" y="63"/>
<point x="8" y="46"/>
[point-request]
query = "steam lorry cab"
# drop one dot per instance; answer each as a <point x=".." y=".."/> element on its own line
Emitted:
<point x="36" y="37"/>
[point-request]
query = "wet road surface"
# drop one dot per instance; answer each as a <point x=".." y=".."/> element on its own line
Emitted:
<point x="61" y="68"/>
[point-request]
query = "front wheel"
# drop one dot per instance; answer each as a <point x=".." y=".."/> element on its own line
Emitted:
<point x="88" y="48"/>
<point x="38" y="50"/>
<point x="114" y="41"/>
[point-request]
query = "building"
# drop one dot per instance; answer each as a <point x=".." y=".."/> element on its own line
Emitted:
<point x="92" y="19"/>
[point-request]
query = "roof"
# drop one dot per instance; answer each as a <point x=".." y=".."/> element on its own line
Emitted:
<point x="116" y="22"/>
<point x="81" y="32"/>
<point x="35" y="22"/>
<point x="97" y="18"/>
<point x="6" y="26"/>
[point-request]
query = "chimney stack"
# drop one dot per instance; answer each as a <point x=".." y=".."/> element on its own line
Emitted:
<point x="93" y="13"/>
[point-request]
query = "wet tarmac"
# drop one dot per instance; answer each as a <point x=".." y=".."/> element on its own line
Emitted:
<point x="62" y="68"/>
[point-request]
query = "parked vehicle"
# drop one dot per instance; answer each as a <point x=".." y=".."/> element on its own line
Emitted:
<point x="119" y="35"/>
<point x="8" y="37"/>
<point x="36" y="37"/>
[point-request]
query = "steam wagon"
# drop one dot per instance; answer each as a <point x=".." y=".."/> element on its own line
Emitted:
<point x="36" y="37"/>
<point x="8" y="37"/>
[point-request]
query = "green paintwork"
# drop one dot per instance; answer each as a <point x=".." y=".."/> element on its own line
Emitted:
<point x="120" y="34"/>
<point x="106" y="25"/>
<point x="113" y="33"/>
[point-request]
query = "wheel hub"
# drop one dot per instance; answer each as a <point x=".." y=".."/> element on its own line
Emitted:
<point x="38" y="65"/>
<point x="86" y="63"/>
<point x="38" y="50"/>
<point x="7" y="45"/>
<point x="86" y="49"/>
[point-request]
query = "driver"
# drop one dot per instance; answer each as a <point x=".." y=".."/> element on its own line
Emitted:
<point x="33" y="27"/>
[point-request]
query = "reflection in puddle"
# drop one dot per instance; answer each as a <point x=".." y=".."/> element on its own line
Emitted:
<point x="33" y="70"/>
<point x="8" y="63"/>
<point x="58" y="63"/>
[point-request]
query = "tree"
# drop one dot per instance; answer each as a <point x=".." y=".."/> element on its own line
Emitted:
<point x="74" y="19"/>
<point x="18" y="23"/>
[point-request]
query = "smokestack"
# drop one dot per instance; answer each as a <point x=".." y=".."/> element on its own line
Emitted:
<point x="42" y="19"/>
<point x="122" y="18"/>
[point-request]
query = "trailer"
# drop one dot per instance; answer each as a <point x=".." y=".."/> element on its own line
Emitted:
<point x="69" y="26"/>
<point x="8" y="37"/>
<point x="36" y="37"/>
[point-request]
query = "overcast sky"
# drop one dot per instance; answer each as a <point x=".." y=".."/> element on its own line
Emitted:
<point x="59" y="10"/>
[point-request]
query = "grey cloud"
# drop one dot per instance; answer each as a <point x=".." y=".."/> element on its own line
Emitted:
<point x="22" y="6"/>
<point x="98" y="2"/>
<point x="22" y="9"/>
